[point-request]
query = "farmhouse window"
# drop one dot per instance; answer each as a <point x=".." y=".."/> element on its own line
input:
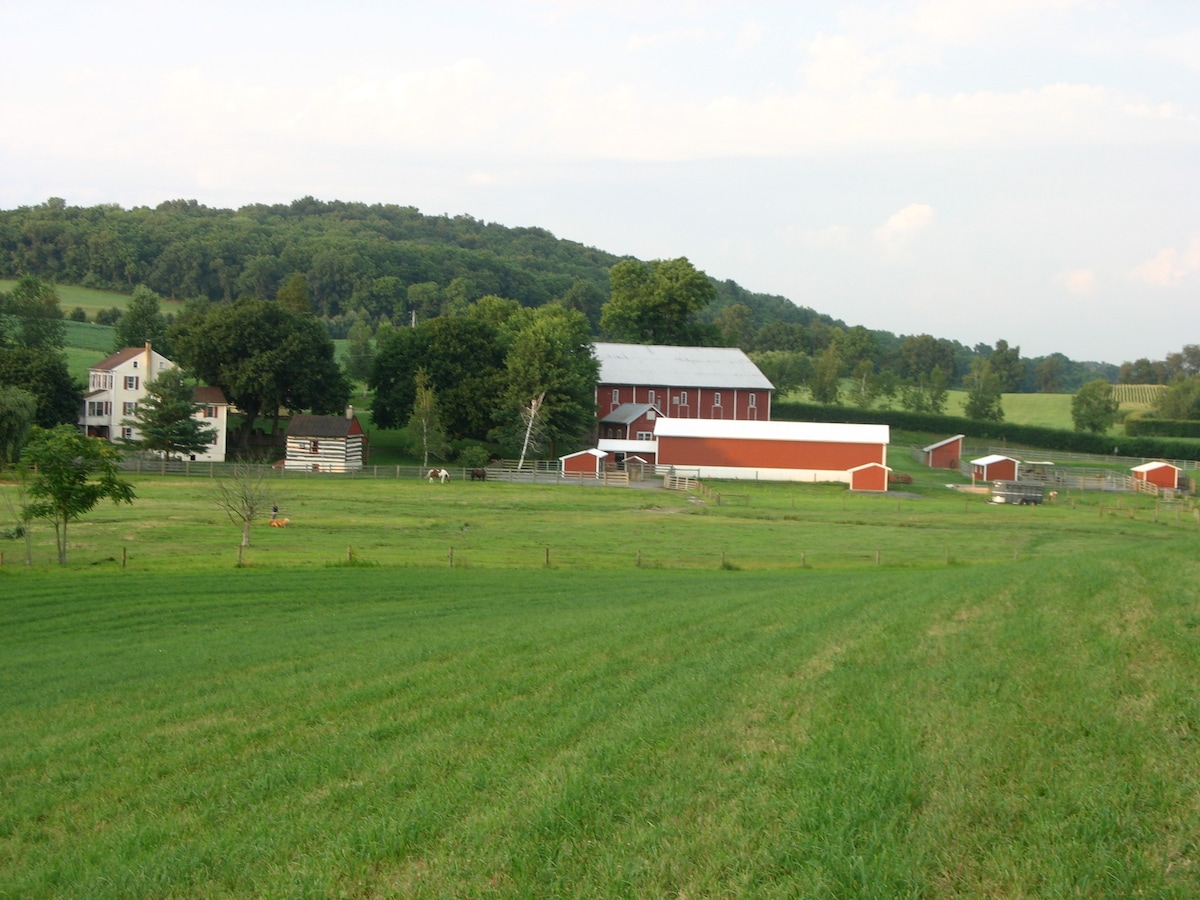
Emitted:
<point x="127" y="433"/>
<point x="128" y="408"/>
<point x="95" y="408"/>
<point x="314" y="447"/>
<point x="210" y="412"/>
<point x="131" y="382"/>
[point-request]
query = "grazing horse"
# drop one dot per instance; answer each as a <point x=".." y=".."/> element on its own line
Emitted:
<point x="479" y="474"/>
<point x="441" y="474"/>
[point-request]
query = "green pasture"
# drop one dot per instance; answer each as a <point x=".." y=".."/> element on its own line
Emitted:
<point x="1020" y="720"/>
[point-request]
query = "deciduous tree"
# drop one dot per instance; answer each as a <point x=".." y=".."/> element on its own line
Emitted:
<point x="424" y="434"/>
<point x="984" y="394"/>
<point x="18" y="408"/>
<point x="1094" y="407"/>
<point x="656" y="302"/>
<point x="69" y="475"/>
<point x="142" y="323"/>
<point x="264" y="357"/>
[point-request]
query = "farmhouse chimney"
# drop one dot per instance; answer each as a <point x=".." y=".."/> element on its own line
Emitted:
<point x="349" y="412"/>
<point x="149" y="363"/>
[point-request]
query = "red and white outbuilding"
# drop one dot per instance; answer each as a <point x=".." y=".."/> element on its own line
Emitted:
<point x="994" y="467"/>
<point x="1161" y="474"/>
<point x="944" y="454"/>
<point x="776" y="451"/>
<point x="584" y="464"/>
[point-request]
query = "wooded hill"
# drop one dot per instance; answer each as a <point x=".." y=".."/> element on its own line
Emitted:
<point x="383" y="261"/>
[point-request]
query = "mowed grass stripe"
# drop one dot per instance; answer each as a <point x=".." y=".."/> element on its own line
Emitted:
<point x="1008" y="729"/>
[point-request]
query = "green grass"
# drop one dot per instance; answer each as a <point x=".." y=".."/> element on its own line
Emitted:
<point x="92" y="300"/>
<point x="1004" y="729"/>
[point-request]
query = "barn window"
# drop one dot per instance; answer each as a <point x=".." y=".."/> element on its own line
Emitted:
<point x="716" y="398"/>
<point x="753" y="401"/>
<point x="645" y="435"/>
<point x="616" y="395"/>
<point x="683" y="398"/>
<point x="314" y="447"/>
<point x="650" y="397"/>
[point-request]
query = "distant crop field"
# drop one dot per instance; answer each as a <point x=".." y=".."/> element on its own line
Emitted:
<point x="1000" y="703"/>
<point x="1138" y="396"/>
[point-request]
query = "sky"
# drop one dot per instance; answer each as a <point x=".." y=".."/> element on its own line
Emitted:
<point x="1026" y="170"/>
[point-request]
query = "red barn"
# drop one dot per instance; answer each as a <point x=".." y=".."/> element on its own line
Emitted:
<point x="1162" y="474"/>
<point x="994" y="468"/>
<point x="776" y="451"/>
<point x="683" y="382"/>
<point x="944" y="454"/>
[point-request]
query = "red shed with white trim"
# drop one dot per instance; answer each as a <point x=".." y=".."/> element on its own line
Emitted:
<point x="994" y="468"/>
<point x="584" y="464"/>
<point x="1162" y="474"/>
<point x="944" y="454"/>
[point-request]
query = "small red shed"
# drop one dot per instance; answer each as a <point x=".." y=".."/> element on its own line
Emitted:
<point x="944" y="454"/>
<point x="870" y="476"/>
<point x="994" y="468"/>
<point x="584" y="464"/>
<point x="1162" y="474"/>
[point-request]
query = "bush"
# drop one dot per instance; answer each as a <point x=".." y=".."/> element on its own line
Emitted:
<point x="473" y="456"/>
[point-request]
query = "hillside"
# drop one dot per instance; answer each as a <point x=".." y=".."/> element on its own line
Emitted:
<point x="383" y="261"/>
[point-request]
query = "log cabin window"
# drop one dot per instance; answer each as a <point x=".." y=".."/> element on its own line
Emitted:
<point x="314" y="447"/>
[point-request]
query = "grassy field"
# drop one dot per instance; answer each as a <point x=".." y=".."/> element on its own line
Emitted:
<point x="350" y="715"/>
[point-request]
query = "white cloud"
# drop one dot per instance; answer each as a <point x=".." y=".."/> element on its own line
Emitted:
<point x="898" y="232"/>
<point x="1080" y="282"/>
<point x="1170" y="266"/>
<point x="750" y="35"/>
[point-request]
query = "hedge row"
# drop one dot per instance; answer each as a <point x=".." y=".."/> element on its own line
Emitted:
<point x="998" y="432"/>
<point x="1137" y="425"/>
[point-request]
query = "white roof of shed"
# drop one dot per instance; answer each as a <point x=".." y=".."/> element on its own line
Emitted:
<point x="1151" y="466"/>
<point x="657" y="364"/>
<point x="993" y="458"/>
<point x="824" y="432"/>
<point x="949" y="440"/>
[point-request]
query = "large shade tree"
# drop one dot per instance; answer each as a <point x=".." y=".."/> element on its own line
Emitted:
<point x="465" y="365"/>
<point x="142" y="323"/>
<point x="550" y="359"/>
<point x="264" y="357"/>
<point x="656" y="302"/>
<point x="43" y="373"/>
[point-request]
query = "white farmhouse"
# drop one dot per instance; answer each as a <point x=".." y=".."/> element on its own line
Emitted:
<point x="118" y="383"/>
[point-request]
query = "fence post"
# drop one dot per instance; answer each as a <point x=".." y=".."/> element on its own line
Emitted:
<point x="452" y="557"/>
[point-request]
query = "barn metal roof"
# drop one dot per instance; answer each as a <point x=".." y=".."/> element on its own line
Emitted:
<point x="629" y="412"/>
<point x="825" y="432"/>
<point x="657" y="364"/>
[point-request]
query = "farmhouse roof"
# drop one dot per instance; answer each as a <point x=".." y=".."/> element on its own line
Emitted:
<point x="208" y="393"/>
<point x="949" y="440"/>
<point x="824" y="432"/>
<point x="629" y="412"/>
<point x="991" y="458"/>
<point x="120" y="357"/>
<point x="657" y="364"/>
<point x="305" y="425"/>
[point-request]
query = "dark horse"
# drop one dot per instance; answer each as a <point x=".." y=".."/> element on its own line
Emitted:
<point x="479" y="474"/>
